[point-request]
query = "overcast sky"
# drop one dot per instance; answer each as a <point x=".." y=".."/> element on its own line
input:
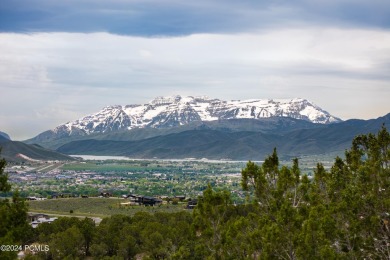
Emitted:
<point x="62" y="60"/>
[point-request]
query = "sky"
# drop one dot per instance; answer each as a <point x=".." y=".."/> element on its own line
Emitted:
<point x="62" y="60"/>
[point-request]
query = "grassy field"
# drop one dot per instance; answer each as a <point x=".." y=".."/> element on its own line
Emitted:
<point x="99" y="167"/>
<point x="95" y="207"/>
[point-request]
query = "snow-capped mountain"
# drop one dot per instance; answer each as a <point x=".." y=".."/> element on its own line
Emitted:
<point x="164" y="112"/>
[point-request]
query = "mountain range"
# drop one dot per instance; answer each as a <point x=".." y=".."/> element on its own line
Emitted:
<point x="175" y="111"/>
<point x="201" y="127"/>
<point x="226" y="143"/>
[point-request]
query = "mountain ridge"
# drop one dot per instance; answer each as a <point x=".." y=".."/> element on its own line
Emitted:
<point x="18" y="151"/>
<point x="4" y="136"/>
<point x="240" y="145"/>
<point x="175" y="111"/>
<point x="265" y="125"/>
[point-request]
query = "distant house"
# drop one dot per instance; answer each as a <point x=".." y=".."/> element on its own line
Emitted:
<point x="151" y="201"/>
<point x="180" y="197"/>
<point x="35" y="198"/>
<point x="36" y="219"/>
<point x="144" y="200"/>
<point x="136" y="199"/>
<point x="63" y="195"/>
<point x="33" y="217"/>
<point x="106" y="194"/>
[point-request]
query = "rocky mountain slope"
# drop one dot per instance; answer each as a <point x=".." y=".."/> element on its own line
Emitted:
<point x="174" y="111"/>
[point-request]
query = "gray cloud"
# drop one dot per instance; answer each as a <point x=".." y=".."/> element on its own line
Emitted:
<point x="58" y="77"/>
<point x="168" y="18"/>
<point x="61" y="60"/>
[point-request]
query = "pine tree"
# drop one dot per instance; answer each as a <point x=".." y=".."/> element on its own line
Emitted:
<point x="14" y="229"/>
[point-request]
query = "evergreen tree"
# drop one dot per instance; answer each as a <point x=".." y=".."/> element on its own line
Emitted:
<point x="341" y="213"/>
<point x="14" y="228"/>
<point x="210" y="217"/>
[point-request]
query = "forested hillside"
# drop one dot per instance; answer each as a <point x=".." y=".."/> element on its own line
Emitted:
<point x="237" y="140"/>
<point x="341" y="213"/>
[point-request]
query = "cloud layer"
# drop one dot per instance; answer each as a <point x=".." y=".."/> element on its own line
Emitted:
<point x="61" y="60"/>
<point x="170" y="18"/>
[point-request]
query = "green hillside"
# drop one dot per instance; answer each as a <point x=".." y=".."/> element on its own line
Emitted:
<point x="234" y="145"/>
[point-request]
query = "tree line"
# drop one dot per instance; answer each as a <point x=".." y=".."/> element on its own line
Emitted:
<point x="340" y="213"/>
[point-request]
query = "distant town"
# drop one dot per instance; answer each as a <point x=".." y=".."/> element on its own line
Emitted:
<point x="166" y="179"/>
